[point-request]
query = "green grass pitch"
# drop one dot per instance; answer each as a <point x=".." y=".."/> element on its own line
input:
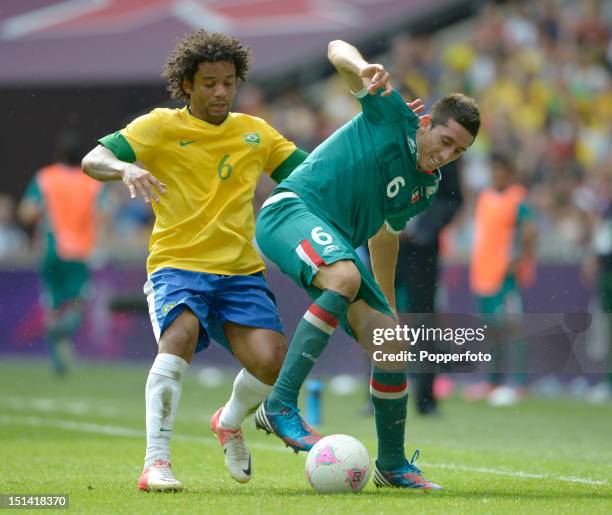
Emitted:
<point x="84" y="436"/>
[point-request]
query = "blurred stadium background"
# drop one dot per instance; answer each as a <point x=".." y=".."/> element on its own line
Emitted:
<point x="541" y="71"/>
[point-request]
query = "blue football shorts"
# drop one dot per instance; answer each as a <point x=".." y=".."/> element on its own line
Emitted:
<point x="214" y="299"/>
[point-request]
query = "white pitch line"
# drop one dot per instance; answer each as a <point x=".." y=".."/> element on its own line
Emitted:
<point x="52" y="405"/>
<point x="517" y="473"/>
<point x="89" y="427"/>
<point x="86" y="427"/>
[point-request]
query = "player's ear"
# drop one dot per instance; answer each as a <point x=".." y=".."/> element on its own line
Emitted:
<point x="187" y="86"/>
<point x="425" y="122"/>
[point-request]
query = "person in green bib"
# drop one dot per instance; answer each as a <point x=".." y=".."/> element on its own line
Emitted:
<point x="359" y="186"/>
<point x="67" y="207"/>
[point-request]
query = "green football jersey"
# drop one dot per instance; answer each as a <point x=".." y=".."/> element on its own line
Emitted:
<point x="365" y="173"/>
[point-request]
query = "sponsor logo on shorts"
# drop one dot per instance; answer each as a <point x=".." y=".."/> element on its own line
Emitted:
<point x="166" y="308"/>
<point x="329" y="249"/>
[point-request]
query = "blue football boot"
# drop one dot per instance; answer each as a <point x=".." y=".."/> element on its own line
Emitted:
<point x="287" y="424"/>
<point x="406" y="476"/>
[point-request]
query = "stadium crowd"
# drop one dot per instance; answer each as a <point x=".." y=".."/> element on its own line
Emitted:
<point x="541" y="73"/>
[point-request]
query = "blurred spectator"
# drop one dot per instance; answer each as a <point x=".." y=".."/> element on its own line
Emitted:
<point x="13" y="240"/>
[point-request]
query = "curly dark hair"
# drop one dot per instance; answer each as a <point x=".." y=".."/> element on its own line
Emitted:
<point x="203" y="47"/>
<point x="461" y="108"/>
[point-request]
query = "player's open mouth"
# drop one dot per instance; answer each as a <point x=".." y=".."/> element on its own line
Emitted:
<point x="434" y="162"/>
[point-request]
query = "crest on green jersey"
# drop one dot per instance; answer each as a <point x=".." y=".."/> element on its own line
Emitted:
<point x="252" y="139"/>
<point x="411" y="144"/>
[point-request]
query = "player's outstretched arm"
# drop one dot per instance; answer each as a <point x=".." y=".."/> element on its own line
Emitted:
<point x="101" y="164"/>
<point x="528" y="237"/>
<point x="356" y="71"/>
<point x="384" y="247"/>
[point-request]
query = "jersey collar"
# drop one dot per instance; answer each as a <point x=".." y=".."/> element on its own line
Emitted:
<point x="212" y="126"/>
<point x="430" y="175"/>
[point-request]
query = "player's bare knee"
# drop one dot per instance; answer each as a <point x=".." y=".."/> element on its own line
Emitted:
<point x="342" y="277"/>
<point x="178" y="342"/>
<point x="181" y="337"/>
<point x="267" y="368"/>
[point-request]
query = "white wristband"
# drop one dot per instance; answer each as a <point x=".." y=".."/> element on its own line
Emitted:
<point x="361" y="93"/>
<point x="391" y="230"/>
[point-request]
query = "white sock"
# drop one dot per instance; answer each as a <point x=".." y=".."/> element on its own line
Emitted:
<point x="248" y="393"/>
<point x="162" y="395"/>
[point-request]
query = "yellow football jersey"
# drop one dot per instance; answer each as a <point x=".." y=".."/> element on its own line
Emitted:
<point x="204" y="221"/>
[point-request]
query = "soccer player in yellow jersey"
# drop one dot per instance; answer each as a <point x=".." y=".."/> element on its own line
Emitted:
<point x="198" y="166"/>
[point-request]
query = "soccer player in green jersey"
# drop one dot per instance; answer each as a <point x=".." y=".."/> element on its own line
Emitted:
<point x="360" y="185"/>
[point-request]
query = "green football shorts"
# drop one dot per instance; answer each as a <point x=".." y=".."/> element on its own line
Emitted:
<point x="506" y="300"/>
<point x="298" y="241"/>
<point x="63" y="281"/>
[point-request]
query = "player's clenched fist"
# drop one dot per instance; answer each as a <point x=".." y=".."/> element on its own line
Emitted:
<point x="139" y="180"/>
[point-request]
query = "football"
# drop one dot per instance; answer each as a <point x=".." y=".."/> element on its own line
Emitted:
<point x="338" y="463"/>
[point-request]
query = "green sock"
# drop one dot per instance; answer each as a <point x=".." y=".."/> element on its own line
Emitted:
<point x="309" y="340"/>
<point x="389" y="392"/>
<point x="57" y="361"/>
<point x="67" y="324"/>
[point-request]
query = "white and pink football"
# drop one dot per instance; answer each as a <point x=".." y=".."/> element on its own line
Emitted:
<point x="338" y="463"/>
